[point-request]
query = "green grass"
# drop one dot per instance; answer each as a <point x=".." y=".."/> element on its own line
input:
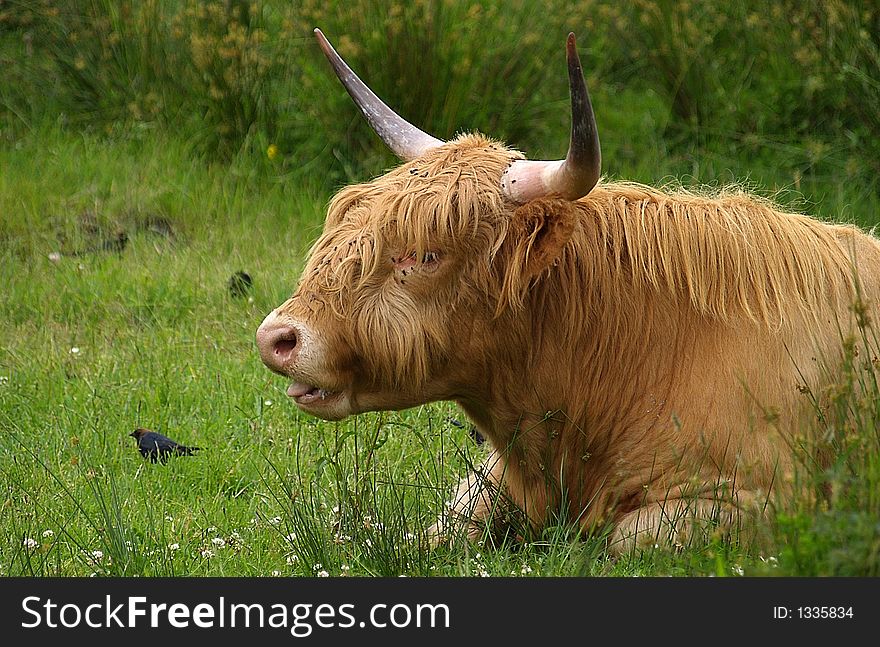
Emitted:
<point x="160" y="343"/>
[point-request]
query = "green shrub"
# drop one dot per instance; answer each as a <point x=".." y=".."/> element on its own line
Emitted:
<point x="776" y="69"/>
<point x="232" y="54"/>
<point x="241" y="75"/>
<point x="110" y="59"/>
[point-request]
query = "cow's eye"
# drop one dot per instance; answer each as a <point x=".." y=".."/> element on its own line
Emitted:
<point x="412" y="261"/>
<point x="412" y="265"/>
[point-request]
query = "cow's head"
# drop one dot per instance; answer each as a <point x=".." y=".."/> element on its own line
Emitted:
<point x="403" y="293"/>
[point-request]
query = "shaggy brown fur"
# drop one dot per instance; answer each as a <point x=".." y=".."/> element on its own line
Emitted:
<point x="636" y="355"/>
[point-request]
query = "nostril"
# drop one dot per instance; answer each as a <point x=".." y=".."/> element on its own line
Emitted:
<point x="284" y="347"/>
<point x="278" y="342"/>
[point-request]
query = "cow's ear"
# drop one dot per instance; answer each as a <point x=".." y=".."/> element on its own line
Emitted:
<point x="538" y="232"/>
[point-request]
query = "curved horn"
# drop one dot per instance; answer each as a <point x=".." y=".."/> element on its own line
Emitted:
<point x="404" y="139"/>
<point x="576" y="175"/>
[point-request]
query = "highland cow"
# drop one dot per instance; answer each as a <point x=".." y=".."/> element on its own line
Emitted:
<point x="636" y="358"/>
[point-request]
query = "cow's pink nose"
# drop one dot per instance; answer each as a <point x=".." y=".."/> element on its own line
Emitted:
<point x="277" y="342"/>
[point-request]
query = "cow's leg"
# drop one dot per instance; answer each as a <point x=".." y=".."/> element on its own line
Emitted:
<point x="477" y="500"/>
<point x="676" y="523"/>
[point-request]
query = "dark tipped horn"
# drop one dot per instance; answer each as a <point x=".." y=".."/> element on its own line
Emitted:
<point x="576" y="175"/>
<point x="404" y="139"/>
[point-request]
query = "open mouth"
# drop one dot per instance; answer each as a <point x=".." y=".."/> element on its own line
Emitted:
<point x="306" y="394"/>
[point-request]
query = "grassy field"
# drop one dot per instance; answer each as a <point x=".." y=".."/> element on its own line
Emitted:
<point x="98" y="337"/>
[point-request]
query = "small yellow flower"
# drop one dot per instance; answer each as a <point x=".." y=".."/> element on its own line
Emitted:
<point x="272" y="151"/>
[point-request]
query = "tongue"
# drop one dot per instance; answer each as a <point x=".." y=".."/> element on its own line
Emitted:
<point x="296" y="389"/>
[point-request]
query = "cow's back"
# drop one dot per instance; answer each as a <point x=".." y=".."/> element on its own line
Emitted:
<point x="745" y="358"/>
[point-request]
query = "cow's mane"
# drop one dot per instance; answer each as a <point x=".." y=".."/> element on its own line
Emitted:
<point x="731" y="254"/>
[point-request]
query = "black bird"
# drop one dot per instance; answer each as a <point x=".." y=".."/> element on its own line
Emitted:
<point x="239" y="284"/>
<point x="116" y="244"/>
<point x="159" y="447"/>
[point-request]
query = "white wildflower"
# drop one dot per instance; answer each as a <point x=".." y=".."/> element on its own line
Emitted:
<point x="275" y="521"/>
<point x="55" y="257"/>
<point x="74" y="350"/>
<point x="292" y="559"/>
<point x="323" y="574"/>
<point x="219" y="542"/>
<point x="291" y="537"/>
<point x="276" y="573"/>
<point x="30" y="543"/>
<point x="207" y="553"/>
<point x="48" y="533"/>
<point x="526" y="569"/>
<point x="174" y="546"/>
<point x="97" y="555"/>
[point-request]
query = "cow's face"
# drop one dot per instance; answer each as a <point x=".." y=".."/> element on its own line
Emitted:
<point x="377" y="318"/>
<point x="401" y="286"/>
<point x="402" y="295"/>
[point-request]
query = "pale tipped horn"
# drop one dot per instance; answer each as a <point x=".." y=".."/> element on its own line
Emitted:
<point x="576" y="175"/>
<point x="404" y="139"/>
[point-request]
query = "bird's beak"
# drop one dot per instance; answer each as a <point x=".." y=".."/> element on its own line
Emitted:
<point x="133" y="434"/>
